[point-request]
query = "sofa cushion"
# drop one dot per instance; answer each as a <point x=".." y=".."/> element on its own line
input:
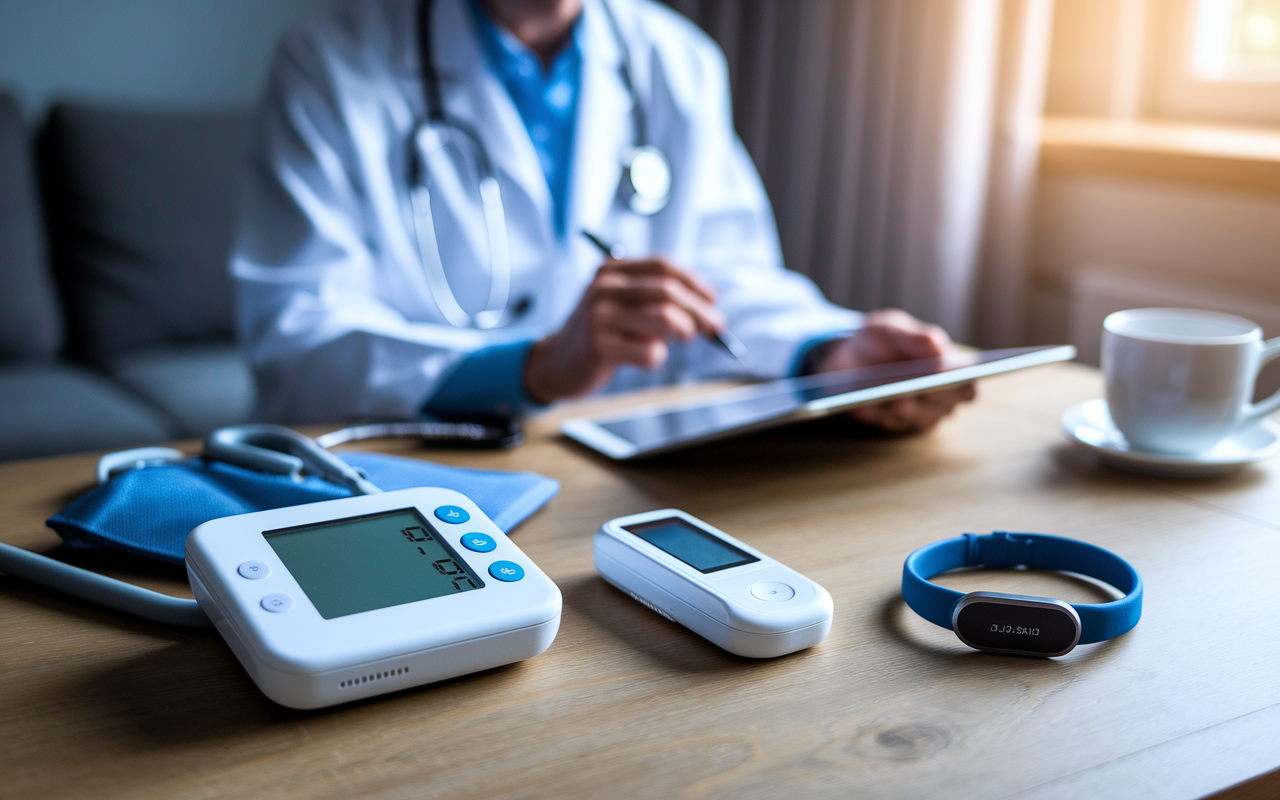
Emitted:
<point x="201" y="386"/>
<point x="56" y="408"/>
<point x="140" y="205"/>
<point x="30" y="316"/>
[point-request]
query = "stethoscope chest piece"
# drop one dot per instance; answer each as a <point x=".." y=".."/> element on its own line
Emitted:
<point x="432" y="137"/>
<point x="646" y="183"/>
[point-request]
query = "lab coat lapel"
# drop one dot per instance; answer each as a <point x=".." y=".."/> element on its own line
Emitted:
<point x="603" y="130"/>
<point x="473" y="95"/>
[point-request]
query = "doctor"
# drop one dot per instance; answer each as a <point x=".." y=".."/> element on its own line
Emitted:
<point x="422" y="172"/>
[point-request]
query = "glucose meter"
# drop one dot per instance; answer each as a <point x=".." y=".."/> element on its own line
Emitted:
<point x="716" y="586"/>
<point x="335" y="601"/>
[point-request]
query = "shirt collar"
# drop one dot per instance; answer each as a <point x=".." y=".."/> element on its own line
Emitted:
<point x="511" y="58"/>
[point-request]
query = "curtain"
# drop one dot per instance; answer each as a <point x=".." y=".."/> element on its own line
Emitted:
<point x="872" y="123"/>
<point x="1001" y="306"/>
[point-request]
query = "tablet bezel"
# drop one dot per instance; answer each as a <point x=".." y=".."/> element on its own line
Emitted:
<point x="588" y="430"/>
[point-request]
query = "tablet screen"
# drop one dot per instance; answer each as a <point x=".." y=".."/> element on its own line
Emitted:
<point x="753" y="405"/>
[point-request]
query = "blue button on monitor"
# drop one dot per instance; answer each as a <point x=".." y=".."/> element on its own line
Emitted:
<point x="478" y="542"/>
<point x="452" y="515"/>
<point x="508" y="571"/>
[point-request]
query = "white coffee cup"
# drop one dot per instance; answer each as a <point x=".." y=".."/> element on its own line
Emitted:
<point x="1179" y="380"/>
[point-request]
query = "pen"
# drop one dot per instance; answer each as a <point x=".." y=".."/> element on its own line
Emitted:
<point x="614" y="251"/>
<point x="724" y="338"/>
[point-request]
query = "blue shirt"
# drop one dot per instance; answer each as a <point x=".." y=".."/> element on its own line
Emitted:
<point x="547" y="99"/>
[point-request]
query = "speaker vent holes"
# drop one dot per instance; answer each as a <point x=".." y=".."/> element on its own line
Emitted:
<point x="651" y="606"/>
<point x="374" y="676"/>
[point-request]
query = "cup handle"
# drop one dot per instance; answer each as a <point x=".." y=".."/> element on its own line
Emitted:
<point x="1255" y="411"/>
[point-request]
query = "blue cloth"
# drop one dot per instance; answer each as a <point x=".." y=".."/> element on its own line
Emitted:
<point x="803" y="351"/>
<point x="1098" y="621"/>
<point x="547" y="99"/>
<point x="488" y="382"/>
<point x="150" y="511"/>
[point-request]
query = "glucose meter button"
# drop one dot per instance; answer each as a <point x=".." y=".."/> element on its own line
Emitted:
<point x="253" y="570"/>
<point x="772" y="591"/>
<point x="452" y="515"/>
<point x="279" y="603"/>
<point x="508" y="571"/>
<point x="478" y="542"/>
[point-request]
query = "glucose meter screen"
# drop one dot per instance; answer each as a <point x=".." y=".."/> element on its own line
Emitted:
<point x="373" y="561"/>
<point x="692" y="545"/>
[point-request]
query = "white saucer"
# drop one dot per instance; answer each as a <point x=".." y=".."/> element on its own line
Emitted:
<point x="1089" y="425"/>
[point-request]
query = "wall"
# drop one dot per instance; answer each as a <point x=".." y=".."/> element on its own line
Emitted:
<point x="1106" y="239"/>
<point x="1084" y="53"/>
<point x="1178" y="239"/>
<point x="152" y="52"/>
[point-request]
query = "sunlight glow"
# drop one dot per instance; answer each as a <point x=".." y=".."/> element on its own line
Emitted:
<point x="1236" y="40"/>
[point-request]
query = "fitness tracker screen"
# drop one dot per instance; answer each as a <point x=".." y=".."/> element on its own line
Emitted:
<point x="692" y="545"/>
<point x="1018" y="628"/>
<point x="372" y="561"/>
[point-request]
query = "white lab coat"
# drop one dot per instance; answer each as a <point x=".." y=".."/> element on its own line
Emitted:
<point x="334" y="310"/>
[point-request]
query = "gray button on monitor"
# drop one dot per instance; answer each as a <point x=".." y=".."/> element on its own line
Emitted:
<point x="278" y="603"/>
<point x="772" y="591"/>
<point x="253" y="570"/>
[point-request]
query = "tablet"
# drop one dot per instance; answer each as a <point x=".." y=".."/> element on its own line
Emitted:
<point x="662" y="427"/>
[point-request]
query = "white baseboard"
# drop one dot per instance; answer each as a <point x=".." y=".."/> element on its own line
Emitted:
<point x="1098" y="290"/>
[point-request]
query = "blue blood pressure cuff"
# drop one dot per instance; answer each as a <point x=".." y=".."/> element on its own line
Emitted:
<point x="1020" y="624"/>
<point x="150" y="511"/>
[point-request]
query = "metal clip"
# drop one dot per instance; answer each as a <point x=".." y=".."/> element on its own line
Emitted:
<point x="281" y="451"/>
<point x="113" y="464"/>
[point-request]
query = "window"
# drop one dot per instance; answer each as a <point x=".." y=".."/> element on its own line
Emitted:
<point x="1236" y="40"/>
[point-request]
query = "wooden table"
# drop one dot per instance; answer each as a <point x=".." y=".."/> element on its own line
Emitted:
<point x="628" y="705"/>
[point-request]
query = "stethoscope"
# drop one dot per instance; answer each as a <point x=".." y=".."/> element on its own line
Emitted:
<point x="645" y="188"/>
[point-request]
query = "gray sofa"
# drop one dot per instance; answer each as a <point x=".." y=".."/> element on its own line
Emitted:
<point x="116" y="307"/>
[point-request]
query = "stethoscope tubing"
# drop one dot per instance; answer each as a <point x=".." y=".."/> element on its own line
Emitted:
<point x="496" y="312"/>
<point x="264" y="448"/>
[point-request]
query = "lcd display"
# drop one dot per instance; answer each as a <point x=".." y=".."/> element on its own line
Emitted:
<point x="759" y="406"/>
<point x="372" y="561"/>
<point x="692" y="545"/>
<point x="1027" y="629"/>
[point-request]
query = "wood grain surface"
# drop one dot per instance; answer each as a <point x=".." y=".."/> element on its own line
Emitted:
<point x="627" y="705"/>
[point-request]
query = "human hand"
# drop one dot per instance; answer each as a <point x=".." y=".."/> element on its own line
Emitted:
<point x="632" y="308"/>
<point x="891" y="335"/>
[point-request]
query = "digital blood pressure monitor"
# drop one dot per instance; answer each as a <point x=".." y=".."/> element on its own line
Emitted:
<point x="721" y="589"/>
<point x="1021" y="624"/>
<point x="335" y="601"/>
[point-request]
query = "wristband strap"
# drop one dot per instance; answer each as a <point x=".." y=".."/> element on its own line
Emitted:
<point x="1098" y="621"/>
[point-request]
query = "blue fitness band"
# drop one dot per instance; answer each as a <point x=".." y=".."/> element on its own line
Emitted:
<point x="1020" y="624"/>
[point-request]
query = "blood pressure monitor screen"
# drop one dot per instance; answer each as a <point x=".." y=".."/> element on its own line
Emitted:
<point x="690" y="544"/>
<point x="370" y="562"/>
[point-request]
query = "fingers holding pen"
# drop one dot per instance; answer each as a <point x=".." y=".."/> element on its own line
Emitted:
<point x="659" y="269"/>
<point x="619" y="348"/>
<point x="628" y="315"/>
<point x="656" y="321"/>
<point x="648" y="298"/>
<point x="659" y="311"/>
<point x="662" y="279"/>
